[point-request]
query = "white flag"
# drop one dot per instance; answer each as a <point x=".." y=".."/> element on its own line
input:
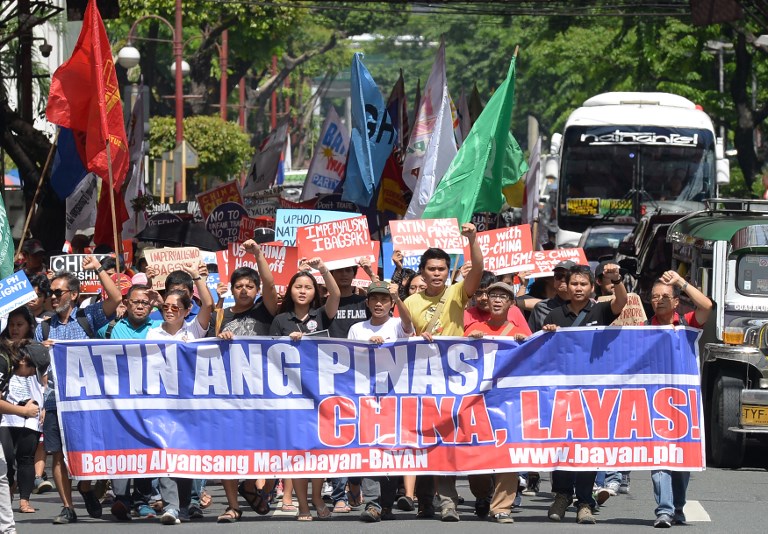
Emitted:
<point x="266" y="161"/>
<point x="532" y="183"/>
<point x="329" y="160"/>
<point x="81" y="206"/>
<point x="135" y="179"/>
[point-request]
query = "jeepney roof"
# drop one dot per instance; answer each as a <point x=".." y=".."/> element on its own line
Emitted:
<point x="708" y="226"/>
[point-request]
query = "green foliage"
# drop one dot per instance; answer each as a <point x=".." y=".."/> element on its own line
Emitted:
<point x="224" y="150"/>
<point x="738" y="188"/>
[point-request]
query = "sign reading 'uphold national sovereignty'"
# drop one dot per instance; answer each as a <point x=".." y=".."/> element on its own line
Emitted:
<point x="577" y="399"/>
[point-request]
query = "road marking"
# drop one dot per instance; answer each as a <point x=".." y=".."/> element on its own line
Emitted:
<point x="694" y="511"/>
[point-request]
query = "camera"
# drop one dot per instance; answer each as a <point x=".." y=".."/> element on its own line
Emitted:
<point x="46" y="49"/>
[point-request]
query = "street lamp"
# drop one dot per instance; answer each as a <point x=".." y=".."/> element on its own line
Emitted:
<point x="129" y="57"/>
<point x="720" y="47"/>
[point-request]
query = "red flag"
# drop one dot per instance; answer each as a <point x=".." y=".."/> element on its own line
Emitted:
<point x="102" y="232"/>
<point x="85" y="97"/>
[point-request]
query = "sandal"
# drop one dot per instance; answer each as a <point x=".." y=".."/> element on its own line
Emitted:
<point x="255" y="499"/>
<point x="288" y="508"/>
<point x="323" y="512"/>
<point x="205" y="499"/>
<point x="230" y="515"/>
<point x="355" y="500"/>
<point x="304" y="517"/>
<point x="341" y="507"/>
<point x="25" y="507"/>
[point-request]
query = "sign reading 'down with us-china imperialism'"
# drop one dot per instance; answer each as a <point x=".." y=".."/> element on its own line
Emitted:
<point x="599" y="398"/>
<point x="507" y="250"/>
<point x="339" y="243"/>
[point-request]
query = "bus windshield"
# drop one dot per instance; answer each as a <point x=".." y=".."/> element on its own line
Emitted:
<point x="627" y="171"/>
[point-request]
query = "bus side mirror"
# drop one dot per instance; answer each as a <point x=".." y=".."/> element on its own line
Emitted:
<point x="723" y="170"/>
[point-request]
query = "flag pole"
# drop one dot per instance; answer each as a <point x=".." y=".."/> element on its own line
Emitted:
<point x="37" y="192"/>
<point x="118" y="254"/>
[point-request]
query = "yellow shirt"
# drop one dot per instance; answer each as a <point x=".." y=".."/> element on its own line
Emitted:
<point x="451" y="321"/>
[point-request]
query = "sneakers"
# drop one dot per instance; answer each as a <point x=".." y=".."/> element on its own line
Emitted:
<point x="449" y="515"/>
<point x="170" y="517"/>
<point x="584" y="515"/>
<point x="66" y="516"/>
<point x="502" y="518"/>
<point x="327" y="489"/>
<point x="195" y="512"/>
<point x="679" y="518"/>
<point x="120" y="510"/>
<point x="145" y="511"/>
<point x="613" y="488"/>
<point x="624" y="486"/>
<point x="92" y="504"/>
<point x="663" y="521"/>
<point x="482" y="507"/>
<point x="41" y="485"/>
<point x="518" y="502"/>
<point x="533" y="484"/>
<point x="557" y="509"/>
<point x="405" y="504"/>
<point x="371" y="514"/>
<point x="601" y="495"/>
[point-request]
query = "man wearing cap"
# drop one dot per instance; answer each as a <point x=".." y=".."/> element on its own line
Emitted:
<point x="582" y="311"/>
<point x="379" y="492"/>
<point x="33" y="256"/>
<point x="542" y="309"/>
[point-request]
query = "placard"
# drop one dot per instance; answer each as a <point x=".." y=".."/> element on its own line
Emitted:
<point x="417" y="235"/>
<point x="89" y="279"/>
<point x="282" y="260"/>
<point x="213" y="283"/>
<point x="169" y="260"/>
<point x="287" y="221"/>
<point x="633" y="313"/>
<point x="507" y="250"/>
<point x="159" y="219"/>
<point x="248" y="226"/>
<point x="339" y="243"/>
<point x="15" y="291"/>
<point x="545" y="260"/>
<point x="409" y="262"/>
<point x="229" y="192"/>
<point x="224" y="222"/>
<point x="361" y="278"/>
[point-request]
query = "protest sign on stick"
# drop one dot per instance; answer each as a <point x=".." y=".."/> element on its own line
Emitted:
<point x="339" y="243"/>
<point x="229" y="192"/>
<point x="545" y="260"/>
<point x="413" y="237"/>
<point x="169" y="260"/>
<point x="507" y="250"/>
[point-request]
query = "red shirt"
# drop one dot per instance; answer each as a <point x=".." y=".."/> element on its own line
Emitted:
<point x="473" y="316"/>
<point x="489" y="330"/>
<point x="690" y="318"/>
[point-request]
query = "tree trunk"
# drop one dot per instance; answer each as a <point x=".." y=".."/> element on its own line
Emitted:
<point x="745" y="120"/>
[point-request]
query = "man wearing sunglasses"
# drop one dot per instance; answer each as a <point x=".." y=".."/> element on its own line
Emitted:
<point x="581" y="310"/>
<point x="69" y="323"/>
<point x="542" y="309"/>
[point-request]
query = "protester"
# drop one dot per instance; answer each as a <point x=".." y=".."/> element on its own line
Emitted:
<point x="379" y="492"/>
<point x="481" y="312"/>
<point x="9" y="353"/>
<point x="670" y="487"/>
<point x="581" y="311"/>
<point x="501" y="298"/>
<point x="542" y="309"/>
<point x="71" y="323"/>
<point x="439" y="311"/>
<point x="33" y="258"/>
<point x="40" y="307"/>
<point x="302" y="313"/>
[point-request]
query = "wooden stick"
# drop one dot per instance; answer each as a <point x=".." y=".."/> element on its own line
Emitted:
<point x="118" y="256"/>
<point x="37" y="193"/>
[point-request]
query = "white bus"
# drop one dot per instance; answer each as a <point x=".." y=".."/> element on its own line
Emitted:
<point x="628" y="154"/>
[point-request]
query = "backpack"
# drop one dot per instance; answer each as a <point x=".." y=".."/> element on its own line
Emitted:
<point x="110" y="327"/>
<point x="81" y="319"/>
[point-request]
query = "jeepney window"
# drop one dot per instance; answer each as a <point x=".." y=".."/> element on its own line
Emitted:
<point x="752" y="274"/>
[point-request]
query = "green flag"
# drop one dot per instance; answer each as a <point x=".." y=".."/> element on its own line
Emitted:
<point x="6" y="244"/>
<point x="489" y="160"/>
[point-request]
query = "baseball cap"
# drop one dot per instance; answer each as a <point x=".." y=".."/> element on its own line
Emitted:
<point x="40" y="357"/>
<point x="503" y="286"/>
<point x="567" y="265"/>
<point x="378" y="287"/>
<point x="32" y="246"/>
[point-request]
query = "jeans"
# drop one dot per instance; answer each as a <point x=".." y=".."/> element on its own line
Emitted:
<point x="604" y="478"/>
<point x="176" y="492"/>
<point x="142" y="490"/>
<point x="669" y="488"/>
<point x="339" y="485"/>
<point x="379" y="492"/>
<point x="579" y="482"/>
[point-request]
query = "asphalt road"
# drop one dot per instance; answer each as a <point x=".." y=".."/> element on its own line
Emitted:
<point x="719" y="500"/>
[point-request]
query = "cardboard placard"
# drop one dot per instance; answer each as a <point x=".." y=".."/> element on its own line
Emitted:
<point x="224" y="222"/>
<point x="282" y="260"/>
<point x="169" y="260"/>
<point x="415" y="236"/>
<point x="507" y="250"/>
<point x="633" y="313"/>
<point x="89" y="280"/>
<point x="339" y="243"/>
<point x="361" y="279"/>
<point x="15" y="291"/>
<point x="229" y="192"/>
<point x="545" y="260"/>
<point x="212" y="282"/>
<point x="287" y="221"/>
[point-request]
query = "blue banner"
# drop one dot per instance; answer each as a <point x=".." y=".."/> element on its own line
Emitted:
<point x="578" y="399"/>
<point x="15" y="291"/>
<point x="372" y="138"/>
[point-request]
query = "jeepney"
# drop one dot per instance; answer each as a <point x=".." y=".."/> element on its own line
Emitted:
<point x="723" y="250"/>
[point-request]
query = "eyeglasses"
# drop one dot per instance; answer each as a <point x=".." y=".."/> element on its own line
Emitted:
<point x="142" y="303"/>
<point x="481" y="293"/>
<point x="171" y="307"/>
<point x="657" y="298"/>
<point x="499" y="296"/>
<point x="59" y="292"/>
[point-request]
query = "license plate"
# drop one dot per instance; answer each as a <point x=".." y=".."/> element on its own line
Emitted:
<point x="754" y="415"/>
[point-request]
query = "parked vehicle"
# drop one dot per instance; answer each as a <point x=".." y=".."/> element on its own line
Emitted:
<point x="723" y="250"/>
<point x="602" y="242"/>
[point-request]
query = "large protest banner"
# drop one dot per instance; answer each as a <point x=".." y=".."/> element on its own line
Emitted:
<point x="601" y="398"/>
